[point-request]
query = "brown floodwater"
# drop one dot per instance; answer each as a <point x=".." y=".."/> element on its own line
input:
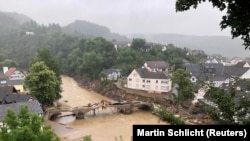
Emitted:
<point x="106" y="125"/>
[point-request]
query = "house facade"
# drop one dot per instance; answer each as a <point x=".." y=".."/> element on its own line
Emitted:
<point x="12" y="77"/>
<point x="216" y="73"/>
<point x="152" y="82"/>
<point x="111" y="74"/>
<point x="122" y="44"/>
<point x="243" y="64"/>
<point x="18" y="84"/>
<point x="13" y="74"/>
<point x="156" y="66"/>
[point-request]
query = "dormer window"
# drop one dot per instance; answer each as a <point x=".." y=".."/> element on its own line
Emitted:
<point x="193" y="79"/>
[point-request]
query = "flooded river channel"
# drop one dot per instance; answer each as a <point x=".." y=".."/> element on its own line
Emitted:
<point x="106" y="125"/>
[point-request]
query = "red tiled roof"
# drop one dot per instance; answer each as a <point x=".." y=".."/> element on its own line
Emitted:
<point x="9" y="72"/>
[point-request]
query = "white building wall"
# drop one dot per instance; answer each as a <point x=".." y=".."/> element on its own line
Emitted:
<point x="5" y="69"/>
<point x="16" y="75"/>
<point x="246" y="65"/>
<point x="134" y="80"/>
<point x="151" y="85"/>
<point x="218" y="83"/>
<point x="246" y="75"/>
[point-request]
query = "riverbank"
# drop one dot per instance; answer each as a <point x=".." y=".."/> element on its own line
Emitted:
<point x="113" y="126"/>
<point x="116" y="91"/>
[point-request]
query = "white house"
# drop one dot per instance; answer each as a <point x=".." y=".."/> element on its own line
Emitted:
<point x="112" y="74"/>
<point x="211" y="60"/>
<point x="156" y="66"/>
<point x="122" y="44"/>
<point x="13" y="74"/>
<point x="242" y="64"/>
<point x="235" y="60"/>
<point x="241" y="72"/>
<point x="29" y="33"/>
<point x="153" y="82"/>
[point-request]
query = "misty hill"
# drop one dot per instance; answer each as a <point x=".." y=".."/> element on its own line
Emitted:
<point x="224" y="45"/>
<point x="11" y="21"/>
<point x="92" y="30"/>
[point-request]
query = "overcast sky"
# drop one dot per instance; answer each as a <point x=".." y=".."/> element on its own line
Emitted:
<point x="123" y="16"/>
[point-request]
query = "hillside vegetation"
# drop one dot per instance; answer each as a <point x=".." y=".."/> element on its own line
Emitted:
<point x="223" y="45"/>
<point x="85" y="53"/>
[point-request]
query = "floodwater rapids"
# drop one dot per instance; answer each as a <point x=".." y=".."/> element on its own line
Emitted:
<point x="107" y="125"/>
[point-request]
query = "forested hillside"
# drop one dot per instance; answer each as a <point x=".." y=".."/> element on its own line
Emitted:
<point x="11" y="21"/>
<point x="80" y="55"/>
<point x="223" y="45"/>
<point x="88" y="29"/>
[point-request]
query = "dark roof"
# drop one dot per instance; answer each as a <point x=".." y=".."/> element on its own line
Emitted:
<point x="14" y="82"/>
<point x="242" y="84"/>
<point x="193" y="68"/>
<point x="240" y="64"/>
<point x="2" y="97"/>
<point x="157" y="64"/>
<point x="110" y="71"/>
<point x="33" y="106"/>
<point x="8" y="89"/>
<point x="144" y="73"/>
<point x="217" y="67"/>
<point x="234" y="71"/>
<point x="14" y="98"/>
<point x="214" y="71"/>
<point x="2" y="76"/>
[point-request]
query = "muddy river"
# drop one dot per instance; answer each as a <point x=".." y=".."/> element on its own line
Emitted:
<point x="106" y="125"/>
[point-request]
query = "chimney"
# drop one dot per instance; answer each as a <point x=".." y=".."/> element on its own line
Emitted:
<point x="5" y="69"/>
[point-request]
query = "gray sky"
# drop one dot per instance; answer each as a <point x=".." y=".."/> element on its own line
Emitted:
<point x="123" y="16"/>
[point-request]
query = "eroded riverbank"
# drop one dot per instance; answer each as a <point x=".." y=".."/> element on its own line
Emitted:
<point x="112" y="126"/>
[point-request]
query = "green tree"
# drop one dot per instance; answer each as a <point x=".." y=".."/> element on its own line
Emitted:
<point x="236" y="17"/>
<point x="87" y="138"/>
<point x="25" y="126"/>
<point x="8" y="62"/>
<point x="230" y="108"/>
<point x="181" y="78"/>
<point x="43" y="54"/>
<point x="169" y="117"/>
<point x="91" y="64"/>
<point x="42" y="83"/>
<point x="138" y="43"/>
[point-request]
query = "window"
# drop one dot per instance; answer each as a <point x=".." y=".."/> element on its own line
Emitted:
<point x="156" y="87"/>
<point x="148" y="81"/>
<point x="164" y="82"/>
<point x="143" y="86"/>
<point x="147" y="86"/>
<point x="137" y="80"/>
<point x="130" y="79"/>
<point x="135" y="75"/>
<point x="164" y="87"/>
<point x="193" y="79"/>
<point x="143" y="81"/>
<point x="156" y="81"/>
